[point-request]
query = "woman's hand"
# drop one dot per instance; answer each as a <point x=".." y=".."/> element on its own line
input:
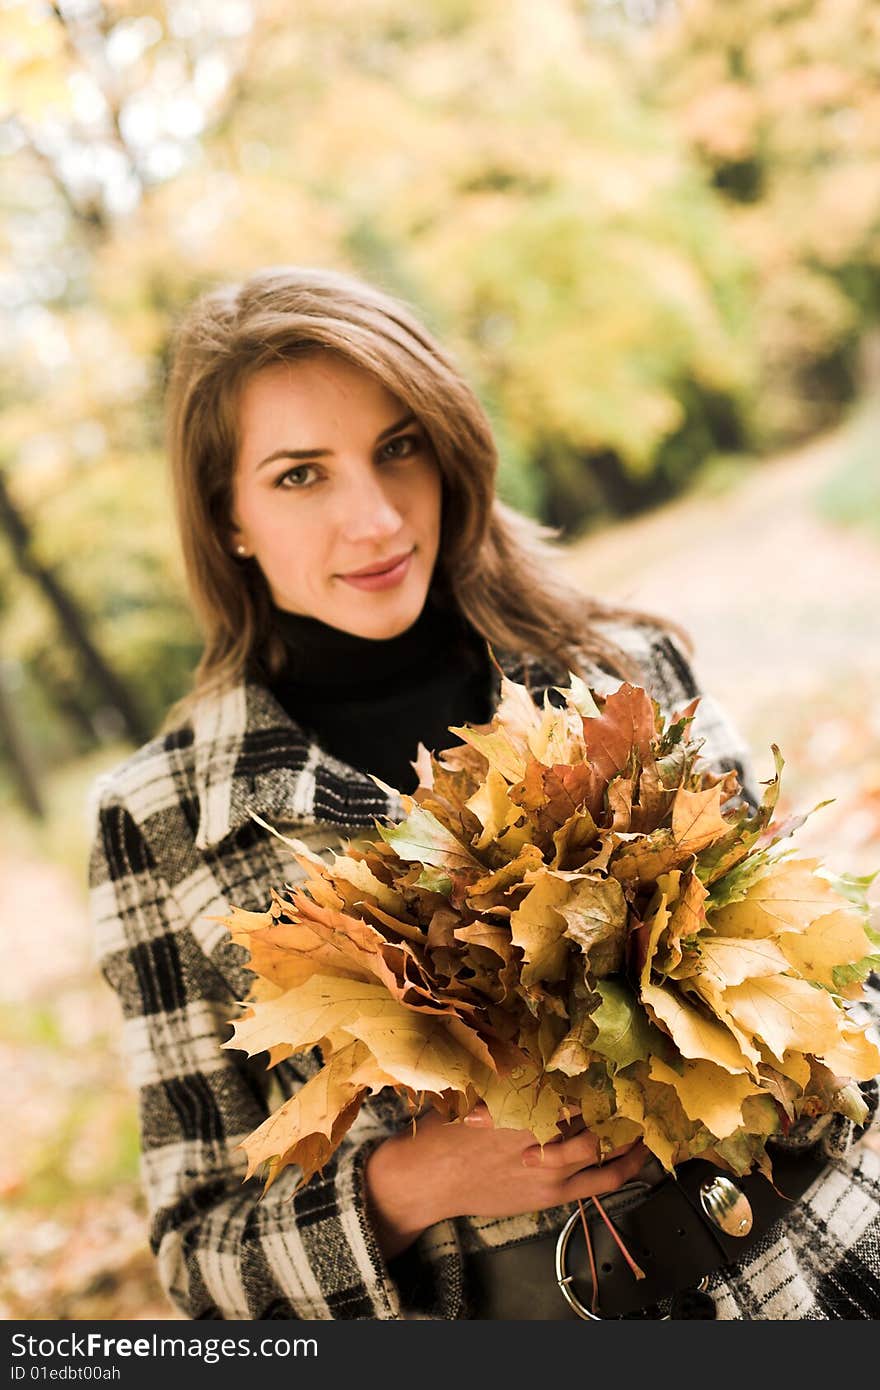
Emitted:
<point x="473" y="1169"/>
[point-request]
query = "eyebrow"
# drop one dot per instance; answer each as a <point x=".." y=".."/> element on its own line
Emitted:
<point x="323" y="453"/>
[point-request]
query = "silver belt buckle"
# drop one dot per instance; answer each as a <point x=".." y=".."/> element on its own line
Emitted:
<point x="564" y="1279"/>
<point x="726" y="1206"/>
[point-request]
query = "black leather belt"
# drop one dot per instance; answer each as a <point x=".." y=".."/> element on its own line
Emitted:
<point x="670" y="1234"/>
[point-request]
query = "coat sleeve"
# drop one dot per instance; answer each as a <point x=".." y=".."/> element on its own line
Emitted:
<point x="724" y="746"/>
<point x="223" y="1250"/>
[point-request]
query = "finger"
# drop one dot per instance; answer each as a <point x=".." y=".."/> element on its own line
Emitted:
<point x="478" y="1116"/>
<point x="596" y="1181"/>
<point x="580" y="1149"/>
<point x="583" y="1148"/>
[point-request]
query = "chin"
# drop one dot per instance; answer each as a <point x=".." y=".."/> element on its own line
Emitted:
<point x="383" y="625"/>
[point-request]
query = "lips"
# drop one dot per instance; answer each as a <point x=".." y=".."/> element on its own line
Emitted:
<point x="381" y="568"/>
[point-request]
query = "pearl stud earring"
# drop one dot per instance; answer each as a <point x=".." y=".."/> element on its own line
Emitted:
<point x="240" y="550"/>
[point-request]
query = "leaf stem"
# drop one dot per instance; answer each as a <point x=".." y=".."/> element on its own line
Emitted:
<point x="594" y="1301"/>
<point x="638" y="1273"/>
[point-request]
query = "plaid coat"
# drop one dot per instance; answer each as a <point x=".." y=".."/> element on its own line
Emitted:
<point x="174" y="845"/>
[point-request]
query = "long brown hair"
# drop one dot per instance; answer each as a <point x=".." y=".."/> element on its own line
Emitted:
<point x="500" y="568"/>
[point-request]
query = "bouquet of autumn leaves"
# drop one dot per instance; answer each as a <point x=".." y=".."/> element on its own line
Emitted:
<point x="576" y="918"/>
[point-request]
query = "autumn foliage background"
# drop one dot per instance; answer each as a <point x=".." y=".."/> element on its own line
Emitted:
<point x="650" y="231"/>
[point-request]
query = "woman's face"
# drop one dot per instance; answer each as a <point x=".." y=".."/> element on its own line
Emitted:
<point x="333" y="477"/>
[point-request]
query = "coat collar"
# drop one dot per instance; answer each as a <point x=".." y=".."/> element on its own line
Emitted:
<point x="250" y="756"/>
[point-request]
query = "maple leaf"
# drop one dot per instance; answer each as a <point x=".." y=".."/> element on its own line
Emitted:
<point x="573" y="841"/>
<point x="696" y="818"/>
<point x="484" y="891"/>
<point x="785" y="1013"/>
<point x="423" y="838"/>
<point x="620" y="802"/>
<point x="853" y="1053"/>
<point x="687" y="918"/>
<point x="311" y="1123"/>
<point x="539" y="929"/>
<point x="560" y="737"/>
<point x="493" y="808"/>
<point x="745" y="831"/>
<point x="729" y="960"/>
<point x="707" y="1092"/>
<point x="358" y="873"/>
<point x="502" y="754"/>
<point x="580" y="696"/>
<point x="624" y="1033"/>
<point x="786" y="899"/>
<point x="828" y="942"/>
<point x="656" y="1108"/>
<point x="523" y="1100"/>
<point x="694" y="1034"/>
<point x="596" y="920"/>
<point x="626" y="724"/>
<point x="552" y="794"/>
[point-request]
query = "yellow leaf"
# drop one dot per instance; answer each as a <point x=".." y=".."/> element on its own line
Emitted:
<point x="794" y="1065"/>
<point x="693" y="1034"/>
<point x="787" y="899"/>
<point x="854" y="1054"/>
<point x="492" y="807"/>
<point x="539" y="930"/>
<point x="499" y="751"/>
<point x="838" y="938"/>
<point x="308" y="1127"/>
<point x="706" y="991"/>
<point x="573" y="841"/>
<point x="616" y="1131"/>
<point x="559" y="737"/>
<point x="302" y="1016"/>
<point x="289" y="953"/>
<point x="658" y="1111"/>
<point x="528" y="859"/>
<point x="708" y="1093"/>
<point x="596" y="921"/>
<point x="426" y="1052"/>
<point x="687" y="916"/>
<point x="729" y="960"/>
<point x="696" y="818"/>
<point x="655" y="926"/>
<point x="356" y="872"/>
<point x="520" y="1101"/>
<point x="786" y="1014"/>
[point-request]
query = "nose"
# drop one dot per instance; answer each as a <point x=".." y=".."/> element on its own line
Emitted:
<point x="368" y="512"/>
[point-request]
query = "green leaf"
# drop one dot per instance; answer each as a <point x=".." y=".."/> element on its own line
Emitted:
<point x="624" y="1032"/>
<point x="851" y="886"/>
<point x="733" y="886"/>
<point x="421" y="837"/>
<point x="855" y="973"/>
<point x="435" y="881"/>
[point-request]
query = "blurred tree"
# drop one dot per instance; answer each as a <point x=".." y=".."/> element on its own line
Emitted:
<point x="72" y="623"/>
<point x="780" y="102"/>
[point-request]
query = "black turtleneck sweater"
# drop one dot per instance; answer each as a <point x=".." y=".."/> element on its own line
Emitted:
<point x="370" y="702"/>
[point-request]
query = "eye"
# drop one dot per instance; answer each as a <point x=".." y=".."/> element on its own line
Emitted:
<point x="296" y="482"/>
<point x="411" y="443"/>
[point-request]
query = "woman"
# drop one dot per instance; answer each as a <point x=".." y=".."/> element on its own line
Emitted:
<point x="350" y="565"/>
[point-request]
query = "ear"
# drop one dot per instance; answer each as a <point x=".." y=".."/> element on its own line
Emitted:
<point x="236" y="537"/>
